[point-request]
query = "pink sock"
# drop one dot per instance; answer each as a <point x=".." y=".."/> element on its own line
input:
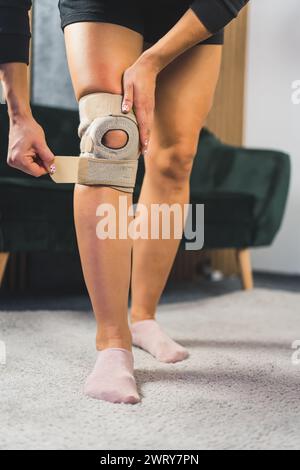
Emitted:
<point x="112" y="377"/>
<point x="148" y="335"/>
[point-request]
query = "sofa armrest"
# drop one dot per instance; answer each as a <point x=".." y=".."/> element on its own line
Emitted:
<point x="263" y="174"/>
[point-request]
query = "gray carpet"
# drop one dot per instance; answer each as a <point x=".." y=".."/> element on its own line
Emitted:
<point x="239" y="389"/>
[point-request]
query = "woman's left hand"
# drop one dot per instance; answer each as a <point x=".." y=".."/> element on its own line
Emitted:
<point x="139" y="83"/>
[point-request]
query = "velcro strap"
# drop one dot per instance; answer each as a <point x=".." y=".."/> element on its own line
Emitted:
<point x="66" y="170"/>
<point x="121" y="173"/>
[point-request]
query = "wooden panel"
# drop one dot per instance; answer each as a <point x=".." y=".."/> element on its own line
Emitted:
<point x="227" y="116"/>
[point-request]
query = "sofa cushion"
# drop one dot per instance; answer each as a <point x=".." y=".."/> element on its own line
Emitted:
<point x="36" y="218"/>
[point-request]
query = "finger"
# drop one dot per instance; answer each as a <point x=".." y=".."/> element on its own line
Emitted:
<point x="144" y="124"/>
<point x="45" y="156"/>
<point x="51" y="169"/>
<point x="127" y="103"/>
<point x="38" y="171"/>
<point x="33" y="168"/>
<point x="26" y="165"/>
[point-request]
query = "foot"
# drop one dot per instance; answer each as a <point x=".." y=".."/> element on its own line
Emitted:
<point x="112" y="378"/>
<point x="148" y="335"/>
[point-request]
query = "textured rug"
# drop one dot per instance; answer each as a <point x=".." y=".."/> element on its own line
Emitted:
<point x="238" y="390"/>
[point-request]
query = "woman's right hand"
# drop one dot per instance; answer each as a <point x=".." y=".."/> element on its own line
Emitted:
<point x="27" y="149"/>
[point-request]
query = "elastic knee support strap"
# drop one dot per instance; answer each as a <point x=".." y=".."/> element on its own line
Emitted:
<point x="99" y="164"/>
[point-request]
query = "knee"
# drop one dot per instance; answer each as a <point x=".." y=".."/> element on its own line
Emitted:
<point x="110" y="83"/>
<point x="115" y="139"/>
<point x="175" y="163"/>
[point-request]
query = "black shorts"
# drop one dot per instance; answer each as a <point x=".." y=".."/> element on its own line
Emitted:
<point x="151" y="18"/>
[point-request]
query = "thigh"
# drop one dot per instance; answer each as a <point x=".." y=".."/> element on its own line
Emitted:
<point x="98" y="54"/>
<point x="184" y="96"/>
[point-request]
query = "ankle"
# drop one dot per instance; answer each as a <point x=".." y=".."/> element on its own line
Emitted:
<point x="120" y="340"/>
<point x="140" y="315"/>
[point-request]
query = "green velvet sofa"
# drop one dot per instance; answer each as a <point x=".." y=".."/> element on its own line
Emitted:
<point x="244" y="192"/>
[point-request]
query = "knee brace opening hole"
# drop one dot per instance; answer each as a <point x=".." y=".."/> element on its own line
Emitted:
<point x="115" y="139"/>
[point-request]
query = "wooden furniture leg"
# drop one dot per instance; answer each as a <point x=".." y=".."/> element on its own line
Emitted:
<point x="3" y="263"/>
<point x="244" y="262"/>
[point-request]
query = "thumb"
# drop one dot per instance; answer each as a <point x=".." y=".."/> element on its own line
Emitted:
<point x="128" y="98"/>
<point x="45" y="155"/>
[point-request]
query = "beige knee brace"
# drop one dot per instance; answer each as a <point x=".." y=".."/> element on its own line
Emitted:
<point x="98" y="164"/>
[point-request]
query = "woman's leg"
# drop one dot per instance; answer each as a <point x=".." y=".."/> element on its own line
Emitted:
<point x="98" y="54"/>
<point x="184" y="96"/>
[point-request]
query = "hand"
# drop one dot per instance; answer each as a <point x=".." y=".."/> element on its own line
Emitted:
<point x="139" y="83"/>
<point x="28" y="150"/>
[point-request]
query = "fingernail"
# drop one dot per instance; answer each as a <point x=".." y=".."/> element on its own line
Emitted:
<point x="125" y="107"/>
<point x="52" y="169"/>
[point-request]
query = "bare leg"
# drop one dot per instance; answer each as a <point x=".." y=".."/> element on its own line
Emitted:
<point x="184" y="96"/>
<point x="98" y="54"/>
